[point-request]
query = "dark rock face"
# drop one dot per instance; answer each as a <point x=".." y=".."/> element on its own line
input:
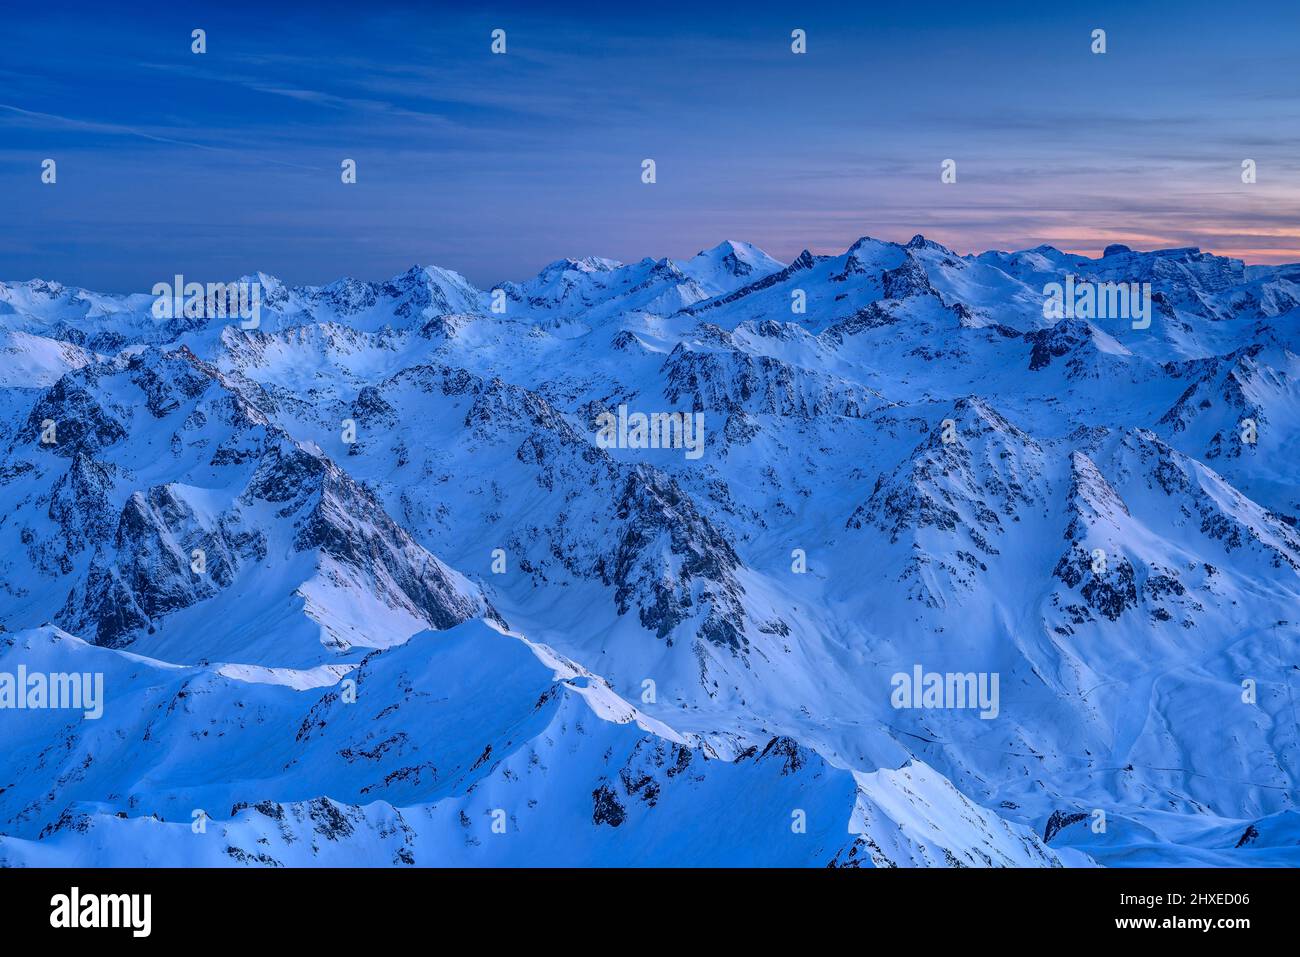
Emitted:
<point x="660" y="554"/>
<point x="1179" y="477"/>
<point x="606" y="808"/>
<point x="166" y="385"/>
<point x="733" y="381"/>
<point x="418" y="295"/>
<point x="1060" y="340"/>
<point x="348" y="296"/>
<point x="653" y="512"/>
<point x="906" y="280"/>
<point x="1113" y="589"/>
<point x="83" y="425"/>
<point x="1110" y="593"/>
<point x="624" y="341"/>
<point x="954" y="485"/>
<point x="1059" y="821"/>
<point x="141" y="554"/>
<point x="1221" y="386"/>
<point x="151" y="574"/>
<point x="736" y="266"/>
<point x="872" y="316"/>
<point x="151" y="562"/>
<point x="1112" y="582"/>
<point x="80" y="503"/>
<point x="498" y="405"/>
<point x="371" y="410"/>
<point x="341" y="519"/>
<point x="786" y="750"/>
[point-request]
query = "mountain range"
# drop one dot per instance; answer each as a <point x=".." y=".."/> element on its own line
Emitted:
<point x="365" y="588"/>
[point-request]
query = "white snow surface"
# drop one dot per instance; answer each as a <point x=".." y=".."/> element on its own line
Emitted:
<point x="474" y="636"/>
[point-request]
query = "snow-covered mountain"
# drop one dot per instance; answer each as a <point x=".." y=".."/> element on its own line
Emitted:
<point x="626" y="564"/>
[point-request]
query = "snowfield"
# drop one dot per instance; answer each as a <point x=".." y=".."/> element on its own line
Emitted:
<point x="365" y="589"/>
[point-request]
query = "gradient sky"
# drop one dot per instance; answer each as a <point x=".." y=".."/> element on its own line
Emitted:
<point x="226" y="163"/>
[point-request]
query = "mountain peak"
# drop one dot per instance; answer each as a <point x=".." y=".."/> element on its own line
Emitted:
<point x="588" y="264"/>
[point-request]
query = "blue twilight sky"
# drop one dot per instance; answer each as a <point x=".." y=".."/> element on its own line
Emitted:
<point x="220" y="164"/>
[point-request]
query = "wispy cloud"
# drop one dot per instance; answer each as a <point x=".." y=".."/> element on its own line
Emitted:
<point x="118" y="129"/>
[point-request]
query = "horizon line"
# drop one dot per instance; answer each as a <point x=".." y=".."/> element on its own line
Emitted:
<point x="1084" y="253"/>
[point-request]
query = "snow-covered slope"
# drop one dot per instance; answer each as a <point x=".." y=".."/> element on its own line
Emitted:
<point x="370" y="583"/>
